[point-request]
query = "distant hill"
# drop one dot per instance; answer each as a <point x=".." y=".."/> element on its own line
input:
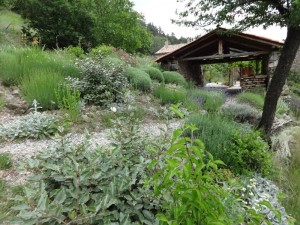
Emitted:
<point x="10" y="27"/>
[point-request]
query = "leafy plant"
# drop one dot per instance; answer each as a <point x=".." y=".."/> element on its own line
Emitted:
<point x="248" y="153"/>
<point x="174" y="78"/>
<point x="68" y="100"/>
<point x="5" y="161"/>
<point x="139" y="79"/>
<point x="154" y="73"/>
<point x="169" y="96"/>
<point x="102" y="83"/>
<point x="184" y="181"/>
<point x="2" y="102"/>
<point x="34" y="125"/>
<point x="107" y="191"/>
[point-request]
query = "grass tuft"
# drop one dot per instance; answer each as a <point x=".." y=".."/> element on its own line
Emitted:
<point x="139" y="79"/>
<point x="174" y="78"/>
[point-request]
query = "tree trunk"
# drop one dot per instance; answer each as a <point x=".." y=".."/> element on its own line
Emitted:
<point x="288" y="53"/>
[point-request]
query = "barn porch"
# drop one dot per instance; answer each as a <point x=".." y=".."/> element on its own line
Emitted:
<point x="224" y="46"/>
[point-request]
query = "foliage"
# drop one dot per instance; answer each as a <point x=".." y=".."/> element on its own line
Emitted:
<point x="248" y="153"/>
<point x="5" y="161"/>
<point x="215" y="131"/>
<point x="241" y="112"/>
<point x="68" y="100"/>
<point x="59" y="23"/>
<point x="184" y="181"/>
<point x="103" y="50"/>
<point x="76" y="51"/>
<point x="102" y="83"/>
<point x="215" y="72"/>
<point x="34" y="125"/>
<point x="107" y="191"/>
<point x="139" y="79"/>
<point x="174" y="78"/>
<point x="208" y="100"/>
<point x="41" y="85"/>
<point x="169" y="96"/>
<point x="154" y="73"/>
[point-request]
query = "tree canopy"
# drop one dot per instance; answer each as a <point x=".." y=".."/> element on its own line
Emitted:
<point x="243" y="14"/>
<point x="88" y="23"/>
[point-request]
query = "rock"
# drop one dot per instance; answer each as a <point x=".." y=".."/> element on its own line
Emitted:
<point x="16" y="93"/>
<point x="17" y="107"/>
<point x="86" y="118"/>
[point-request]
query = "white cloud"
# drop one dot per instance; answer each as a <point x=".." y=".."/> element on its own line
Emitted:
<point x="160" y="13"/>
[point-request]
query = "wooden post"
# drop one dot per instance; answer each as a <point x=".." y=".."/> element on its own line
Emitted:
<point x="265" y="68"/>
<point x="220" y="47"/>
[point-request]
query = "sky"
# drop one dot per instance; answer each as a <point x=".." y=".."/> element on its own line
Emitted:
<point x="160" y="13"/>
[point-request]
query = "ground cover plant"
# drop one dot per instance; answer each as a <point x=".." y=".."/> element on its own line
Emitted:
<point x="33" y="125"/>
<point x="174" y="78"/>
<point x="139" y="79"/>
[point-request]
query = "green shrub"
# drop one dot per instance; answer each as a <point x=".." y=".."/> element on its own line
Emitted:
<point x="41" y="86"/>
<point x="174" y="78"/>
<point x="5" y="161"/>
<point x="169" y="96"/>
<point x="215" y="131"/>
<point x="253" y="99"/>
<point x="76" y="184"/>
<point x="241" y="113"/>
<point x="209" y="100"/>
<point x="139" y="79"/>
<point x="34" y="125"/>
<point x="248" y="153"/>
<point x="155" y="74"/>
<point x="11" y="71"/>
<point x="103" y="50"/>
<point x="102" y="83"/>
<point x="76" y="51"/>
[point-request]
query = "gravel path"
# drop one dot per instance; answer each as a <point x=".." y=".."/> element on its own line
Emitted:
<point x="27" y="148"/>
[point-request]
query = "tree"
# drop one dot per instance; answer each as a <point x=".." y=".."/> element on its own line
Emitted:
<point x="59" y="23"/>
<point x="243" y="14"/>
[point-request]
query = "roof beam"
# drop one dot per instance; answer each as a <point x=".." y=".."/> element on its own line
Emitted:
<point x="224" y="56"/>
<point x="199" y="48"/>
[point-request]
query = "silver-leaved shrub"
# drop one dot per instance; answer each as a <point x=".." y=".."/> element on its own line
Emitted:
<point x="34" y="125"/>
<point x="102" y="82"/>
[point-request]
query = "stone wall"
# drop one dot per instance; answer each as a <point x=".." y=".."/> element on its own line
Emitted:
<point x="296" y="64"/>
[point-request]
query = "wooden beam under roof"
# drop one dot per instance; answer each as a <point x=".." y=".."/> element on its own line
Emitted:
<point x="199" y="48"/>
<point x="223" y="56"/>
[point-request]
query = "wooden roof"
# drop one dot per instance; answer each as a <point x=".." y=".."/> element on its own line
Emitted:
<point x="221" y="45"/>
<point x="169" y="48"/>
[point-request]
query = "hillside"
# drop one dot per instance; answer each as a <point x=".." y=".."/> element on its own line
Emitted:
<point x="10" y="27"/>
